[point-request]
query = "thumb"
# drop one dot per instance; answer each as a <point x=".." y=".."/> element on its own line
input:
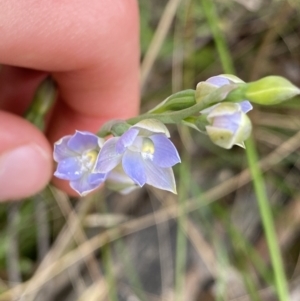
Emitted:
<point x="25" y="158"/>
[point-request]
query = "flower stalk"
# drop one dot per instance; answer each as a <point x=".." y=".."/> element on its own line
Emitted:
<point x="140" y="151"/>
<point x="267" y="221"/>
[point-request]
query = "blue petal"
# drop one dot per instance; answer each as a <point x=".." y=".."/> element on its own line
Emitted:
<point x="108" y="157"/>
<point x="126" y="140"/>
<point x="162" y="178"/>
<point x="245" y="106"/>
<point x="96" y="178"/>
<point x="218" y="81"/>
<point x="165" y="154"/>
<point x="83" y="185"/>
<point x="82" y="141"/>
<point x="118" y="180"/>
<point x="229" y="122"/>
<point x="61" y="149"/>
<point x="133" y="166"/>
<point x="69" y="169"/>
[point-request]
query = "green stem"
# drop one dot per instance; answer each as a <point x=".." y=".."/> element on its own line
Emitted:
<point x="175" y="117"/>
<point x="267" y="221"/>
<point x="260" y="191"/>
<point x="181" y="243"/>
<point x="118" y="128"/>
<point x="213" y="21"/>
<point x="41" y="104"/>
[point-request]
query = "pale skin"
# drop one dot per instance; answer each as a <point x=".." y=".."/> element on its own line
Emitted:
<point x="91" y="48"/>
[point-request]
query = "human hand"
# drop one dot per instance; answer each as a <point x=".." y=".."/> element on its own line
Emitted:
<point x="91" y="50"/>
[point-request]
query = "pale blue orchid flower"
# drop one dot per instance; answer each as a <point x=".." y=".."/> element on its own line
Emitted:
<point x="228" y="123"/>
<point x="76" y="157"/>
<point x="146" y="155"/>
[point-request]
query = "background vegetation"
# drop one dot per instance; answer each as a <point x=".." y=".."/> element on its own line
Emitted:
<point x="209" y="242"/>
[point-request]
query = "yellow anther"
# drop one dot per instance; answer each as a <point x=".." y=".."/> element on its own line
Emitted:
<point x="148" y="146"/>
<point x="90" y="158"/>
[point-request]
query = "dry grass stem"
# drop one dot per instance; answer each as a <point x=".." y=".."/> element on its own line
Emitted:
<point x="158" y="39"/>
<point x="161" y="215"/>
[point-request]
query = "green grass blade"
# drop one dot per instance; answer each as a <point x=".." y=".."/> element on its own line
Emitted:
<point x="265" y="210"/>
<point x="181" y="246"/>
<point x="267" y="221"/>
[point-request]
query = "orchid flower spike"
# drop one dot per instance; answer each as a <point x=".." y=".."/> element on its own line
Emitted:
<point x="76" y="157"/>
<point x="145" y="153"/>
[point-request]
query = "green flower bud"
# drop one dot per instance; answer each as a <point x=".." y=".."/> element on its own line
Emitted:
<point x="269" y="90"/>
<point x="203" y="89"/>
<point x="217" y="87"/>
<point x="178" y="101"/>
<point x="116" y="127"/>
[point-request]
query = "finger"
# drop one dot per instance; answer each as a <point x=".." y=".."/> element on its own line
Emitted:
<point x="88" y="100"/>
<point x="93" y="59"/>
<point x="91" y="49"/>
<point x="25" y="158"/>
<point x="17" y="87"/>
<point x="107" y="90"/>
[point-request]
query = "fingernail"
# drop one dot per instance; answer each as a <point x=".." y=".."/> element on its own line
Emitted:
<point x="23" y="171"/>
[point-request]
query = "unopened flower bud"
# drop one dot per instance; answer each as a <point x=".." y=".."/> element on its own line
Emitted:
<point x="270" y="90"/>
<point x="219" y="86"/>
<point x="229" y="125"/>
<point x="118" y="180"/>
<point x="178" y="101"/>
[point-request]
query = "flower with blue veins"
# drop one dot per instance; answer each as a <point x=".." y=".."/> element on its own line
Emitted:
<point x="146" y="154"/>
<point x="76" y="156"/>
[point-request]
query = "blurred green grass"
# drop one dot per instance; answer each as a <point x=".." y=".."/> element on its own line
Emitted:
<point x="217" y="251"/>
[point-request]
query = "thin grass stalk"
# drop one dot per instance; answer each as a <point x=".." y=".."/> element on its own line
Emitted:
<point x="213" y="22"/>
<point x="35" y="115"/>
<point x="244" y="245"/>
<point x="13" y="260"/>
<point x="43" y="229"/>
<point x="109" y="273"/>
<point x="222" y="267"/>
<point x="164" y="253"/>
<point x="80" y="237"/>
<point x="182" y="220"/>
<point x="242" y="253"/>
<point x="211" y="261"/>
<point x="258" y="181"/>
<point x="181" y="243"/>
<point x="132" y="274"/>
<point x="268" y="222"/>
<point x="41" y="104"/>
<point x="96" y="292"/>
<point x="65" y="238"/>
<point x="54" y="267"/>
<point x="248" y="250"/>
<point x="158" y="39"/>
<point x="72" y="230"/>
